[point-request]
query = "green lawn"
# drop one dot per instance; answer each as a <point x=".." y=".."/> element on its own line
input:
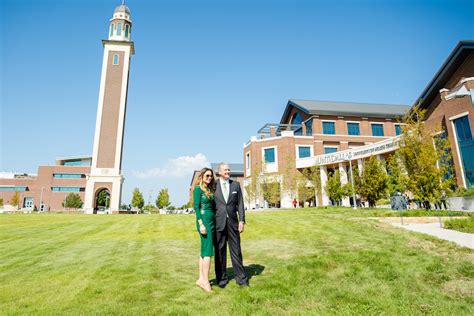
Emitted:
<point x="300" y="262"/>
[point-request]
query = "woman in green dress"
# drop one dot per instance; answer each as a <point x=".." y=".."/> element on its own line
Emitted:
<point x="204" y="206"/>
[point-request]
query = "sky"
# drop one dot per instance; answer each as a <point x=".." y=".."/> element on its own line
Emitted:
<point x="206" y="75"/>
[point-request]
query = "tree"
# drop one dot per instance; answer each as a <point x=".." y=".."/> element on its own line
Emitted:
<point x="15" y="200"/>
<point x="305" y="192"/>
<point x="72" y="200"/>
<point x="290" y="177"/>
<point x="1" y="202"/>
<point x="334" y="188"/>
<point x="313" y="175"/>
<point x="103" y="198"/>
<point x="373" y="181"/>
<point x="271" y="192"/>
<point x="426" y="157"/>
<point x="137" y="199"/>
<point x="397" y="178"/>
<point x="163" y="199"/>
<point x="252" y="188"/>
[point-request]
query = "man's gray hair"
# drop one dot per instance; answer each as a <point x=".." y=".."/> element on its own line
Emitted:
<point x="222" y="164"/>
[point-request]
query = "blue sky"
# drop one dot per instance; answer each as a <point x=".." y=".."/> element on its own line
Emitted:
<point x="206" y="74"/>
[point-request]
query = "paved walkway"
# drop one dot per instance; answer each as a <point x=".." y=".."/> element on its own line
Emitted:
<point x="433" y="229"/>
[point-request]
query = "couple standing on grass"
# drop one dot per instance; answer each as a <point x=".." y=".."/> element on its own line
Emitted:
<point x="216" y="203"/>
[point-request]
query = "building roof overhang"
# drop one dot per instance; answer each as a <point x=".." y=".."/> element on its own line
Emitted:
<point x="311" y="107"/>
<point x="445" y="72"/>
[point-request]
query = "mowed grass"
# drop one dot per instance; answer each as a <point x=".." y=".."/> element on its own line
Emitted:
<point x="310" y="261"/>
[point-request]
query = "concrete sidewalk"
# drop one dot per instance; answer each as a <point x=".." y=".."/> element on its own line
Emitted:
<point x="433" y="229"/>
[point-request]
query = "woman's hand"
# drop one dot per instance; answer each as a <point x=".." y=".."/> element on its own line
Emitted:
<point x="202" y="229"/>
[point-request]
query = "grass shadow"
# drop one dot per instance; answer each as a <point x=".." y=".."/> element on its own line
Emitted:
<point x="251" y="270"/>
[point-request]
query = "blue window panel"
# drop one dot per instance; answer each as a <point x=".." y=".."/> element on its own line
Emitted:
<point x="66" y="189"/>
<point x="298" y="131"/>
<point x="330" y="150"/>
<point x="398" y="130"/>
<point x="13" y="188"/>
<point x="111" y="30"/>
<point x="119" y="29"/>
<point x="466" y="147"/>
<point x="116" y="59"/>
<point x="309" y="128"/>
<point x="377" y="130"/>
<point x="73" y="163"/>
<point x="127" y="29"/>
<point x="329" y="128"/>
<point x="67" y="175"/>
<point x="304" y="152"/>
<point x="353" y="129"/>
<point x="269" y="155"/>
<point x="296" y="119"/>
<point x="463" y="128"/>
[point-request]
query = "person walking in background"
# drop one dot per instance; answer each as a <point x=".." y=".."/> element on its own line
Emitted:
<point x="204" y="206"/>
<point x="229" y="226"/>
<point x="294" y="202"/>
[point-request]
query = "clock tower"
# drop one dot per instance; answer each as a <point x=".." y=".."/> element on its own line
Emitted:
<point x="104" y="183"/>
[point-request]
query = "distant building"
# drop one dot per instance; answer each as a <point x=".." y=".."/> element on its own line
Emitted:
<point x="334" y="134"/>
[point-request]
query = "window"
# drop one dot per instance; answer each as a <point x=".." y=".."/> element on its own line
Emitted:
<point x="304" y="152"/>
<point x="13" y="188"/>
<point x="269" y="155"/>
<point x="68" y="175"/>
<point x="353" y="129"/>
<point x="119" y="29"/>
<point x="377" y="130"/>
<point x="116" y="59"/>
<point x="298" y="131"/>
<point x="296" y="119"/>
<point x="309" y="127"/>
<point x="247" y="161"/>
<point x="330" y="150"/>
<point x="73" y="163"/>
<point x="466" y="148"/>
<point x="328" y="128"/>
<point x="111" y="30"/>
<point x="67" y="189"/>
<point x="28" y="202"/>
<point x="127" y="29"/>
<point x="398" y="129"/>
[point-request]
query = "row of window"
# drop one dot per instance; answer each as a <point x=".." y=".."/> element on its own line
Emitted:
<point x="54" y="189"/>
<point x="67" y="189"/>
<point x="120" y="29"/>
<point x="68" y="175"/>
<point x="13" y="188"/>
<point x="353" y="128"/>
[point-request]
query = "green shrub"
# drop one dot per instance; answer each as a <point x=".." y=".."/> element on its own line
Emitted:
<point x="423" y="212"/>
<point x="465" y="225"/>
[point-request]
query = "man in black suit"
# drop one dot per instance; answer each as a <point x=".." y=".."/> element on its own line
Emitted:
<point x="229" y="202"/>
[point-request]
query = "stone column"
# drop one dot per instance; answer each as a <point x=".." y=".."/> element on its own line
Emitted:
<point x="360" y="165"/>
<point x="324" y="180"/>
<point x="343" y="176"/>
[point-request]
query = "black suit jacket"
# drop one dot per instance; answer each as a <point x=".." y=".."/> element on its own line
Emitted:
<point x="226" y="213"/>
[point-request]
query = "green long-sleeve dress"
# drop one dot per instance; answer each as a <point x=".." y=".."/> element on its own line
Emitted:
<point x="204" y="208"/>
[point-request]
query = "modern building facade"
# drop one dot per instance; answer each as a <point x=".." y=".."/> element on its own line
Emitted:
<point x="99" y="174"/>
<point x="336" y="135"/>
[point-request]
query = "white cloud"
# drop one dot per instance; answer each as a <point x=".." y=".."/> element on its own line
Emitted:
<point x="175" y="168"/>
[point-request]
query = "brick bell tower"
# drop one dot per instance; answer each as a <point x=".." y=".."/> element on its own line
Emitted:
<point x="104" y="183"/>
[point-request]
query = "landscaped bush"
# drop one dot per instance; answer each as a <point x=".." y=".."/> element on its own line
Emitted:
<point x="465" y="225"/>
<point x="423" y="212"/>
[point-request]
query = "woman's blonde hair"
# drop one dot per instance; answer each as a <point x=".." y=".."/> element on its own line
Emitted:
<point x="207" y="189"/>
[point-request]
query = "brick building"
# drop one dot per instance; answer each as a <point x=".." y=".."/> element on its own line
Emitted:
<point x="335" y="135"/>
